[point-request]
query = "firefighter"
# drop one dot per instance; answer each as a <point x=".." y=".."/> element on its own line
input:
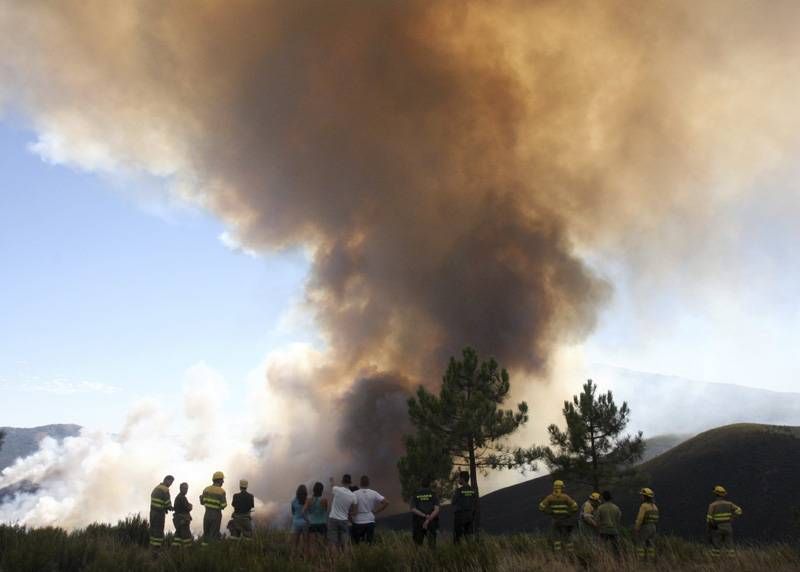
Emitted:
<point x="425" y="514"/>
<point x="644" y="528"/>
<point x="214" y="500"/>
<point x="241" y="524"/>
<point x="719" y="519"/>
<point x="159" y="505"/>
<point x="464" y="500"/>
<point x="562" y="509"/>
<point x="181" y="518"/>
<point x="586" y="522"/>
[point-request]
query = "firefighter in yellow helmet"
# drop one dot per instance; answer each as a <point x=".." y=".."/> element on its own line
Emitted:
<point x="160" y="503"/>
<point x="213" y="498"/>
<point x="562" y="509"/>
<point x="586" y="521"/>
<point x="719" y="519"/>
<point x="644" y="529"/>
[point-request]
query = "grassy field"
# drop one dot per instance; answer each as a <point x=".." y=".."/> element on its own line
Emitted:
<point x="124" y="547"/>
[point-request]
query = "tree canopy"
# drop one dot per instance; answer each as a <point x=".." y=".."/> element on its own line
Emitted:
<point x="464" y="426"/>
<point x="592" y="449"/>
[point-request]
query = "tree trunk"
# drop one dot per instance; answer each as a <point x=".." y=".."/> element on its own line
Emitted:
<point x="473" y="478"/>
<point x="595" y="478"/>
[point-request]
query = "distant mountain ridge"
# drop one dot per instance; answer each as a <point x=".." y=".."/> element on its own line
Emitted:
<point x="21" y="441"/>
<point x="668" y="404"/>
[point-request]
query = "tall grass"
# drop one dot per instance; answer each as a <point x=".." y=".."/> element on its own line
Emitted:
<point x="124" y="547"/>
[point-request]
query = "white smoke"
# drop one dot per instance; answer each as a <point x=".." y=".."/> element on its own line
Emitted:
<point x="99" y="477"/>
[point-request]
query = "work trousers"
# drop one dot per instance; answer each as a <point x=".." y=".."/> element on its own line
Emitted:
<point x="561" y="535"/>
<point x="183" y="534"/>
<point x="463" y="525"/>
<point x="241" y="527"/>
<point x="211" y="523"/>
<point x="611" y="540"/>
<point x="157" y="518"/>
<point x="646" y="542"/>
<point x="419" y="534"/>
<point x="722" y="540"/>
<point x="365" y="532"/>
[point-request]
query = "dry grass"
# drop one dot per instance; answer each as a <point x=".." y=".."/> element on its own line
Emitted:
<point x="123" y="547"/>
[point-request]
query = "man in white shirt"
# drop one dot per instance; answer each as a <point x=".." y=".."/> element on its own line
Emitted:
<point x="343" y="505"/>
<point x="368" y="504"/>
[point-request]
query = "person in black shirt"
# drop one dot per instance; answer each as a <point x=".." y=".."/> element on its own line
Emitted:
<point x="182" y="518"/>
<point x="425" y="514"/>
<point x="464" y="501"/>
<point x="241" y="525"/>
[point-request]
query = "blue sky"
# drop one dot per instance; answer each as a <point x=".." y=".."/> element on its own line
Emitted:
<point x="103" y="286"/>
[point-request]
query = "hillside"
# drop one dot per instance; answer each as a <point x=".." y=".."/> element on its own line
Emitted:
<point x="758" y="464"/>
<point x="21" y="442"/>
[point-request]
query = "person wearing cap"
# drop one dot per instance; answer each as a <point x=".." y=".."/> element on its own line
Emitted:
<point x="719" y="518"/>
<point x="241" y="523"/>
<point x="182" y="518"/>
<point x="159" y="505"/>
<point x="644" y="529"/>
<point x="425" y="514"/>
<point x="586" y="521"/>
<point x="214" y="501"/>
<point x="562" y="509"/>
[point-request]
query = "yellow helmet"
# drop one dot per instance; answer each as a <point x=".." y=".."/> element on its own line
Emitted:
<point x="720" y="491"/>
<point x="243" y="484"/>
<point x="595" y="496"/>
<point x="647" y="492"/>
<point x="218" y="476"/>
<point x="558" y="484"/>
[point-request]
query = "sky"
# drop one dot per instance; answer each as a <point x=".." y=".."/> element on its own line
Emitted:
<point x="112" y="292"/>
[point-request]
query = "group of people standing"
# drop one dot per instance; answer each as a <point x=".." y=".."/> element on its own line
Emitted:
<point x="213" y="499"/>
<point x="348" y="516"/>
<point x="600" y="517"/>
<point x="425" y="508"/>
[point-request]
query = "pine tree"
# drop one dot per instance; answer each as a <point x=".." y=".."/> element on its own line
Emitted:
<point x="592" y="449"/>
<point x="464" y="426"/>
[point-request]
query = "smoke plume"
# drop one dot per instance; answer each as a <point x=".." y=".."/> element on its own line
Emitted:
<point x="449" y="164"/>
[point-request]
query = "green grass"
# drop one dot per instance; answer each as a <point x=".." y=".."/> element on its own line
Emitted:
<point x="124" y="547"/>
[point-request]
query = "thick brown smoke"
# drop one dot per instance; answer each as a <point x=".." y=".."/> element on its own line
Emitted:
<point x="443" y="160"/>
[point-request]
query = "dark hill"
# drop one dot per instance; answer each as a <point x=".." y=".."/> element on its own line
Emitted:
<point x="758" y="464"/>
<point x="24" y="441"/>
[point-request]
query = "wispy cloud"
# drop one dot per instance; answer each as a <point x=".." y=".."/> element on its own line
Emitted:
<point x="61" y="386"/>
